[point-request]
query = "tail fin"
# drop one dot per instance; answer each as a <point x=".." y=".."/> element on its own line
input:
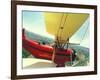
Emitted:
<point x="23" y="33"/>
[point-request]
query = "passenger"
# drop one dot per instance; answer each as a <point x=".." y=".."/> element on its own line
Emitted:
<point x="43" y="43"/>
<point x="74" y="54"/>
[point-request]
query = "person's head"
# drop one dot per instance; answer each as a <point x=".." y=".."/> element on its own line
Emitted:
<point x="43" y="43"/>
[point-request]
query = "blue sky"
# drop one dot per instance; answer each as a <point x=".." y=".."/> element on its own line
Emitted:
<point x="34" y="22"/>
<point x="82" y="35"/>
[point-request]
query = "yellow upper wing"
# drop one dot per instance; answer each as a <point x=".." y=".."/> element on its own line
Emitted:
<point x="64" y="25"/>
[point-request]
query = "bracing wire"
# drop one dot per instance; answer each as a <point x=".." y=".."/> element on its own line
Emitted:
<point x="58" y="43"/>
<point x="84" y="33"/>
<point x="63" y="25"/>
<point x="60" y="30"/>
<point x="60" y="23"/>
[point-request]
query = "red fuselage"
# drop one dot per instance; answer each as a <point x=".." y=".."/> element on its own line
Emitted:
<point x="45" y="51"/>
